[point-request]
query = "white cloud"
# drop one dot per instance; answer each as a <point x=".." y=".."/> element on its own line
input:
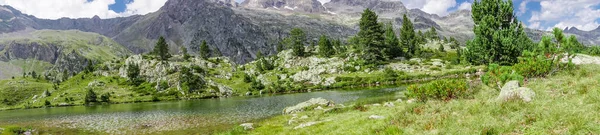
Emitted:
<point x="465" y="6"/>
<point x="143" y="6"/>
<point x="54" y="9"/>
<point x="439" y="7"/>
<point x="571" y="13"/>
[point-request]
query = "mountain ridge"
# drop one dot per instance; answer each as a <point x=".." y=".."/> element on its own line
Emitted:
<point x="239" y="30"/>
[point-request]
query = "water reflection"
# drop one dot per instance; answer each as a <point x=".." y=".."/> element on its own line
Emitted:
<point x="162" y="116"/>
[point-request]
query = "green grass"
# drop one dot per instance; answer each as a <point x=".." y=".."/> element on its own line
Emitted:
<point x="19" y="91"/>
<point x="565" y="103"/>
<point x="16" y="68"/>
<point x="90" y="45"/>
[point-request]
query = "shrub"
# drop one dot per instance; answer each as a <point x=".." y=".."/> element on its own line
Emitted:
<point x="440" y="90"/>
<point x="350" y="69"/>
<point x="390" y="73"/>
<point x="47" y="103"/>
<point x="105" y="97"/>
<point x="14" y="130"/>
<point x="412" y="63"/>
<point x="595" y="50"/>
<point x="90" y="96"/>
<point x="497" y="75"/>
<point x="532" y="65"/>
<point x="247" y="78"/>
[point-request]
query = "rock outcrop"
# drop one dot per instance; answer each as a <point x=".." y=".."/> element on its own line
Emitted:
<point x="308" y="6"/>
<point x="247" y="126"/>
<point x="511" y="90"/>
<point x="308" y="104"/>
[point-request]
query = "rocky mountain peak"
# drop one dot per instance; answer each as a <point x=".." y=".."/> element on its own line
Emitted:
<point x="355" y="7"/>
<point x="229" y="3"/>
<point x="309" y="6"/>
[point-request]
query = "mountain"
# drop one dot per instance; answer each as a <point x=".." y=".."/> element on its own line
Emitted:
<point x="585" y="37"/>
<point x="309" y="6"/>
<point x="240" y="30"/>
<point x="56" y="50"/>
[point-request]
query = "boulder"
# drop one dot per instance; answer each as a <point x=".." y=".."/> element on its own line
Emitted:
<point x="388" y="104"/>
<point x="399" y="100"/>
<point x="96" y="83"/>
<point x="310" y="103"/>
<point x="511" y="90"/>
<point x="247" y="126"/>
<point x="376" y="117"/>
<point x="303" y="125"/>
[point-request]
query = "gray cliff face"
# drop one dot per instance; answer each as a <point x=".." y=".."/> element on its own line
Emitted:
<point x="72" y="62"/>
<point x="14" y="50"/>
<point x="384" y="8"/>
<point x="308" y="6"/>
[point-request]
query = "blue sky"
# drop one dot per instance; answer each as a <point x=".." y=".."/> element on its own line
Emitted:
<point x="119" y="5"/>
<point x="536" y="14"/>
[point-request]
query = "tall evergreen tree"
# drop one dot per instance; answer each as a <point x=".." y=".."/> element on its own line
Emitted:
<point x="454" y="44"/>
<point x="432" y="34"/>
<point x="162" y="49"/>
<point x="133" y="73"/>
<point x="573" y="46"/>
<point x="325" y="47"/>
<point x="185" y="54"/>
<point x="407" y="37"/>
<point x="204" y="50"/>
<point x="297" y="40"/>
<point x="499" y="36"/>
<point x="337" y="45"/>
<point x="392" y="43"/>
<point x="371" y="37"/>
<point x="420" y="38"/>
<point x="90" y="96"/>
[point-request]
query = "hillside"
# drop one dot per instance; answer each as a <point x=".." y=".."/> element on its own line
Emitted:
<point x="178" y="79"/>
<point x="41" y="50"/>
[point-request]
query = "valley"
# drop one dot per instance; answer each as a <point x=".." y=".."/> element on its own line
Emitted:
<point x="296" y="67"/>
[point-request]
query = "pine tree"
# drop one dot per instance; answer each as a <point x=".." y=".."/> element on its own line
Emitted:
<point x="559" y="36"/>
<point x="259" y="55"/>
<point x="204" y="50"/>
<point x="133" y="73"/>
<point x="280" y="46"/>
<point x="90" y="67"/>
<point x="162" y="49"/>
<point x="297" y="40"/>
<point x="441" y="48"/>
<point x="407" y="37"/>
<point x="499" y="36"/>
<point x="185" y="54"/>
<point x="90" y="96"/>
<point x="392" y="42"/>
<point x="371" y="37"/>
<point x="325" y="47"/>
<point x="420" y="38"/>
<point x="432" y="34"/>
<point x="33" y="75"/>
<point x="454" y="44"/>
<point x="339" y="49"/>
<point x="65" y="75"/>
<point x="573" y="46"/>
<point x="190" y="82"/>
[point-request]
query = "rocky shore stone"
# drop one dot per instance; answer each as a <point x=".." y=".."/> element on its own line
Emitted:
<point x="247" y="126"/>
<point x="310" y="103"/>
<point x="376" y="117"/>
